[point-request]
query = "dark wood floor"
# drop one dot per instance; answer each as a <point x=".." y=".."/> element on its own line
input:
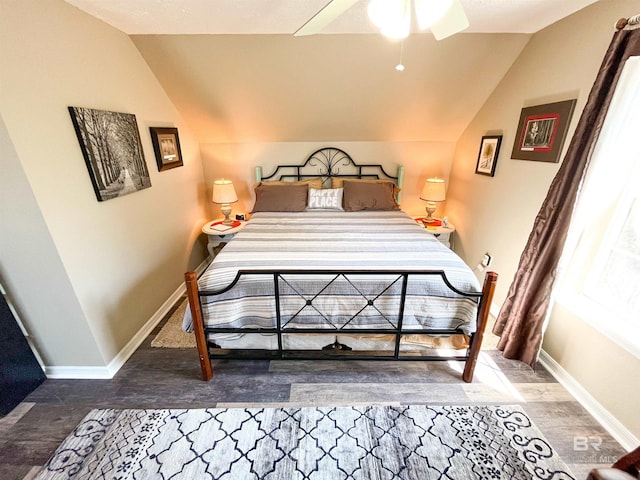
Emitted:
<point x="169" y="378"/>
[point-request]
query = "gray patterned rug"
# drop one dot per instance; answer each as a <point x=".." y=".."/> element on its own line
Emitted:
<point x="363" y="443"/>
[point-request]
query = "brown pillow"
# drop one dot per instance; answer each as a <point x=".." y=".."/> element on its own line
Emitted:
<point x="369" y="196"/>
<point x="312" y="182"/>
<point x="337" y="182"/>
<point x="280" y="198"/>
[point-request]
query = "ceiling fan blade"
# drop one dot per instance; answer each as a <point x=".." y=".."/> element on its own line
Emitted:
<point x="324" y="17"/>
<point x="454" y="21"/>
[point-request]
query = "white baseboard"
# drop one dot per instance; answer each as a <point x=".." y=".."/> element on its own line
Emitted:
<point x="107" y="372"/>
<point x="617" y="430"/>
<point x="96" y="373"/>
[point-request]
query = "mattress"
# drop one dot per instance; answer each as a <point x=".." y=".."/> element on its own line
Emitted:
<point x="362" y="242"/>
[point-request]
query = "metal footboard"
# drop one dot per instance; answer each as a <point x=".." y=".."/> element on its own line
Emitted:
<point x="395" y="287"/>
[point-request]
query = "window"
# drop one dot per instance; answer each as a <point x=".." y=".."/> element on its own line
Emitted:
<point x="614" y="279"/>
<point x="601" y="264"/>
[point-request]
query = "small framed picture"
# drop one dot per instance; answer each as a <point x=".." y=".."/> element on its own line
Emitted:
<point x="166" y="146"/>
<point x="241" y="216"/>
<point x="488" y="155"/>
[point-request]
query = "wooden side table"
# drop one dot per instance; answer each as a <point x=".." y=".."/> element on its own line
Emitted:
<point x="218" y="237"/>
<point x="443" y="234"/>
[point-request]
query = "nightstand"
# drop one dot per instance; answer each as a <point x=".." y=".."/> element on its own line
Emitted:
<point x="217" y="237"/>
<point x="443" y="234"/>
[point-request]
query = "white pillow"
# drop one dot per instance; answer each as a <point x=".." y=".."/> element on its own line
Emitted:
<point x="325" y="199"/>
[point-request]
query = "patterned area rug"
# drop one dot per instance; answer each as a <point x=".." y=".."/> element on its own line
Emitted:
<point x="359" y="443"/>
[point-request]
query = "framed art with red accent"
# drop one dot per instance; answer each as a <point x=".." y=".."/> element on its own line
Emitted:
<point x="541" y="131"/>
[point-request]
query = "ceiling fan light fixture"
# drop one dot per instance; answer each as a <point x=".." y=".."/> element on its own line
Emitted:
<point x="429" y="12"/>
<point x="392" y="17"/>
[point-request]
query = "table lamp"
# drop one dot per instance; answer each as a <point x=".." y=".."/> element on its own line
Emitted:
<point x="224" y="194"/>
<point x="433" y="191"/>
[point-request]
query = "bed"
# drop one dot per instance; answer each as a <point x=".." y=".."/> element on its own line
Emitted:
<point x="329" y="267"/>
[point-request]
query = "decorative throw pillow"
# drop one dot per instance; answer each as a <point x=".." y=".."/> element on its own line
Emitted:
<point x="311" y="182"/>
<point x="280" y="198"/>
<point x="327" y="199"/>
<point x="369" y="196"/>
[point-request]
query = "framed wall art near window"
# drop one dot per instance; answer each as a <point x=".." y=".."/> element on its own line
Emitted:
<point x="166" y="146"/>
<point x="488" y="155"/>
<point x="541" y="131"/>
<point x="111" y="147"/>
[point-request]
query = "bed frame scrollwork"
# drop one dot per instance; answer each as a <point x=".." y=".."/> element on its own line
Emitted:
<point x="331" y="162"/>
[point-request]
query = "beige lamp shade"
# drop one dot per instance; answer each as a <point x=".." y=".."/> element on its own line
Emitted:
<point x="433" y="190"/>
<point x="223" y="191"/>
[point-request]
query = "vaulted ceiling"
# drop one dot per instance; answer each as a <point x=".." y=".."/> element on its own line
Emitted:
<point x="241" y="88"/>
<point x="236" y="74"/>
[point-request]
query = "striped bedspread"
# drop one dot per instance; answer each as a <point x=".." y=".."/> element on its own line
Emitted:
<point x="369" y="241"/>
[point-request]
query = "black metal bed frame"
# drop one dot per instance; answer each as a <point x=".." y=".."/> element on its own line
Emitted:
<point x="328" y="163"/>
<point x="329" y="352"/>
<point x="335" y="351"/>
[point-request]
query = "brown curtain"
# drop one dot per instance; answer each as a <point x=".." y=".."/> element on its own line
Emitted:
<point x="521" y="319"/>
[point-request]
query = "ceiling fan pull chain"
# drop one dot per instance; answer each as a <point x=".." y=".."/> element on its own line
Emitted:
<point x="400" y="66"/>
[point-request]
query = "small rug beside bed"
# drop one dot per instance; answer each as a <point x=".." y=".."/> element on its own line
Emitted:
<point x="370" y="442"/>
<point x="171" y="335"/>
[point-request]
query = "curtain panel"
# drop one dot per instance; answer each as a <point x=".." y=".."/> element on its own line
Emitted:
<point x="521" y="320"/>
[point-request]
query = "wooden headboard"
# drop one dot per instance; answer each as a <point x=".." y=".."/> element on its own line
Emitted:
<point x="331" y="162"/>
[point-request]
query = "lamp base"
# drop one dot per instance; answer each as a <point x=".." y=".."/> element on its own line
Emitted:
<point x="430" y="209"/>
<point x="226" y="211"/>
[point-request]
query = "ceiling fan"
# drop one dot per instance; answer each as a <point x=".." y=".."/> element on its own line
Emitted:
<point x="443" y="17"/>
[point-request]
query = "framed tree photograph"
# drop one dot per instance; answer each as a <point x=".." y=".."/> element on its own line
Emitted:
<point x="488" y="155"/>
<point x="166" y="146"/>
<point x="111" y="147"/>
<point x="541" y="131"/>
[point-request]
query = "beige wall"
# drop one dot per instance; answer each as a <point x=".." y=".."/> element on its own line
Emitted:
<point x="109" y="264"/>
<point x="28" y="263"/>
<point x="607" y="371"/>
<point x="496" y="214"/>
